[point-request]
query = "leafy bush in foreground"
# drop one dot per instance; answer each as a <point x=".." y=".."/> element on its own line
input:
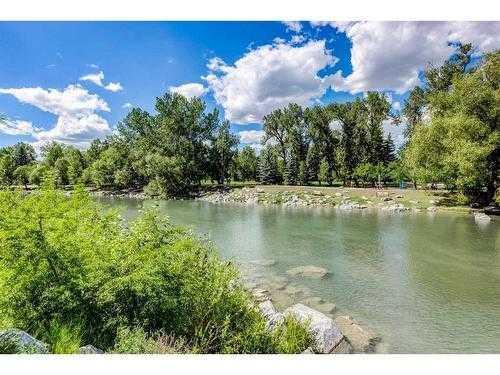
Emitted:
<point x="66" y="260"/>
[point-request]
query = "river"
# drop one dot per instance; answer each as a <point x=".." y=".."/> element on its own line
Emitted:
<point x="426" y="282"/>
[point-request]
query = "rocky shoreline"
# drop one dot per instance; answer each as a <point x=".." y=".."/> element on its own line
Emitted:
<point x="341" y="200"/>
<point x="278" y="296"/>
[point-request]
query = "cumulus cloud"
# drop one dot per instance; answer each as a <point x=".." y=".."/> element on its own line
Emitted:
<point x="251" y="136"/>
<point x="98" y="79"/>
<point x="127" y="105"/>
<point x="189" y="90"/>
<point x="16" y="127"/>
<point x="294" y="26"/>
<point x="390" y="55"/>
<point x="269" y="77"/>
<point x="77" y="121"/>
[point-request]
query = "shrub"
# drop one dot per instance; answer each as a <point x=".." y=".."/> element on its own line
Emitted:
<point x="67" y="260"/>
<point x="63" y="339"/>
<point x="136" y="341"/>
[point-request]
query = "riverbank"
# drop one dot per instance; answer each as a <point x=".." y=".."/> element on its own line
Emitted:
<point x="341" y="198"/>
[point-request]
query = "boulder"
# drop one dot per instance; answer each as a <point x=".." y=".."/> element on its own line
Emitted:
<point x="272" y="316"/>
<point x="361" y="339"/>
<point x="342" y="348"/>
<point x="15" y="341"/>
<point x="264" y="262"/>
<point x="325" y="333"/>
<point x="90" y="349"/>
<point x="327" y="308"/>
<point x="432" y="209"/>
<point x="480" y="217"/>
<point x="261" y="295"/>
<point x="308" y="271"/>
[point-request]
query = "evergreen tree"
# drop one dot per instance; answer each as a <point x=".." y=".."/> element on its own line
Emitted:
<point x="388" y="150"/>
<point x="268" y="166"/>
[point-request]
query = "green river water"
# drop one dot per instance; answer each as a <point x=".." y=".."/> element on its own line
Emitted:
<point x="427" y="283"/>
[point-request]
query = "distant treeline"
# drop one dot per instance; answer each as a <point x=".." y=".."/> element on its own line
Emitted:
<point x="451" y="129"/>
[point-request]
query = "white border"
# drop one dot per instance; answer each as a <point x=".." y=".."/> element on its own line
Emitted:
<point x="321" y="10"/>
<point x="250" y="364"/>
<point x="478" y="10"/>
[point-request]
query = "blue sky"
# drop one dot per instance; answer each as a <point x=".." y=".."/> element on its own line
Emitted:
<point x="73" y="81"/>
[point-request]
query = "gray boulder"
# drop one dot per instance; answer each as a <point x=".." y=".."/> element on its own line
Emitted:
<point x="272" y="316"/>
<point x="15" y="341"/>
<point x="325" y="333"/>
<point x="90" y="349"/>
<point x="342" y="348"/>
<point x="362" y="340"/>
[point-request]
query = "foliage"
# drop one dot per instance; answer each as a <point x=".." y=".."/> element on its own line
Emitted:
<point x="246" y="165"/>
<point x="63" y="339"/>
<point x="66" y="260"/>
<point x="459" y="145"/>
<point x="136" y="341"/>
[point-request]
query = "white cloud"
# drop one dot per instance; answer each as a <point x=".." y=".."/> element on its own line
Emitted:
<point x="189" y="90"/>
<point x="396" y="106"/>
<point x="269" y="77"/>
<point x="251" y="136"/>
<point x="98" y="79"/>
<point x="77" y="121"/>
<point x="294" y="26"/>
<point x="389" y="55"/>
<point x="297" y="39"/>
<point x="127" y="105"/>
<point x="114" y="86"/>
<point x="16" y="127"/>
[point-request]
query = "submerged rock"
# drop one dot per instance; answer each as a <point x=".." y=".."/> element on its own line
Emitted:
<point x="90" y="349"/>
<point x="264" y="262"/>
<point x="308" y="271"/>
<point x="361" y="339"/>
<point x="326" y="334"/>
<point x="480" y="217"/>
<point x="15" y="341"/>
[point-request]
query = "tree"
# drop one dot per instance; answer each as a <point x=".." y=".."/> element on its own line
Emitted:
<point x="288" y="129"/>
<point x="354" y="139"/>
<point x="170" y="150"/>
<point x="23" y="154"/>
<point x="413" y="109"/>
<point x="247" y="164"/>
<point x="7" y="168"/>
<point x="51" y="152"/>
<point x="21" y="175"/>
<point x="378" y="108"/>
<point x="268" y="166"/>
<point x="76" y="164"/>
<point x="388" y="150"/>
<point x="324" y="174"/>
<point x="459" y="145"/>
<point x="223" y="151"/>
<point x="323" y="137"/>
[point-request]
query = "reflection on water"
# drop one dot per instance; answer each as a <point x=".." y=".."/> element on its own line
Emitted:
<point x="425" y="283"/>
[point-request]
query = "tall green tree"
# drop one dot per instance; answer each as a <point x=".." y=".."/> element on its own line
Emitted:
<point x="459" y="145"/>
<point x="222" y="152"/>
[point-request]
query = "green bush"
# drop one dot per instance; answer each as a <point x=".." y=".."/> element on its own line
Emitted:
<point x="136" y="341"/>
<point x="63" y="339"/>
<point x="67" y="260"/>
<point x="291" y="337"/>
